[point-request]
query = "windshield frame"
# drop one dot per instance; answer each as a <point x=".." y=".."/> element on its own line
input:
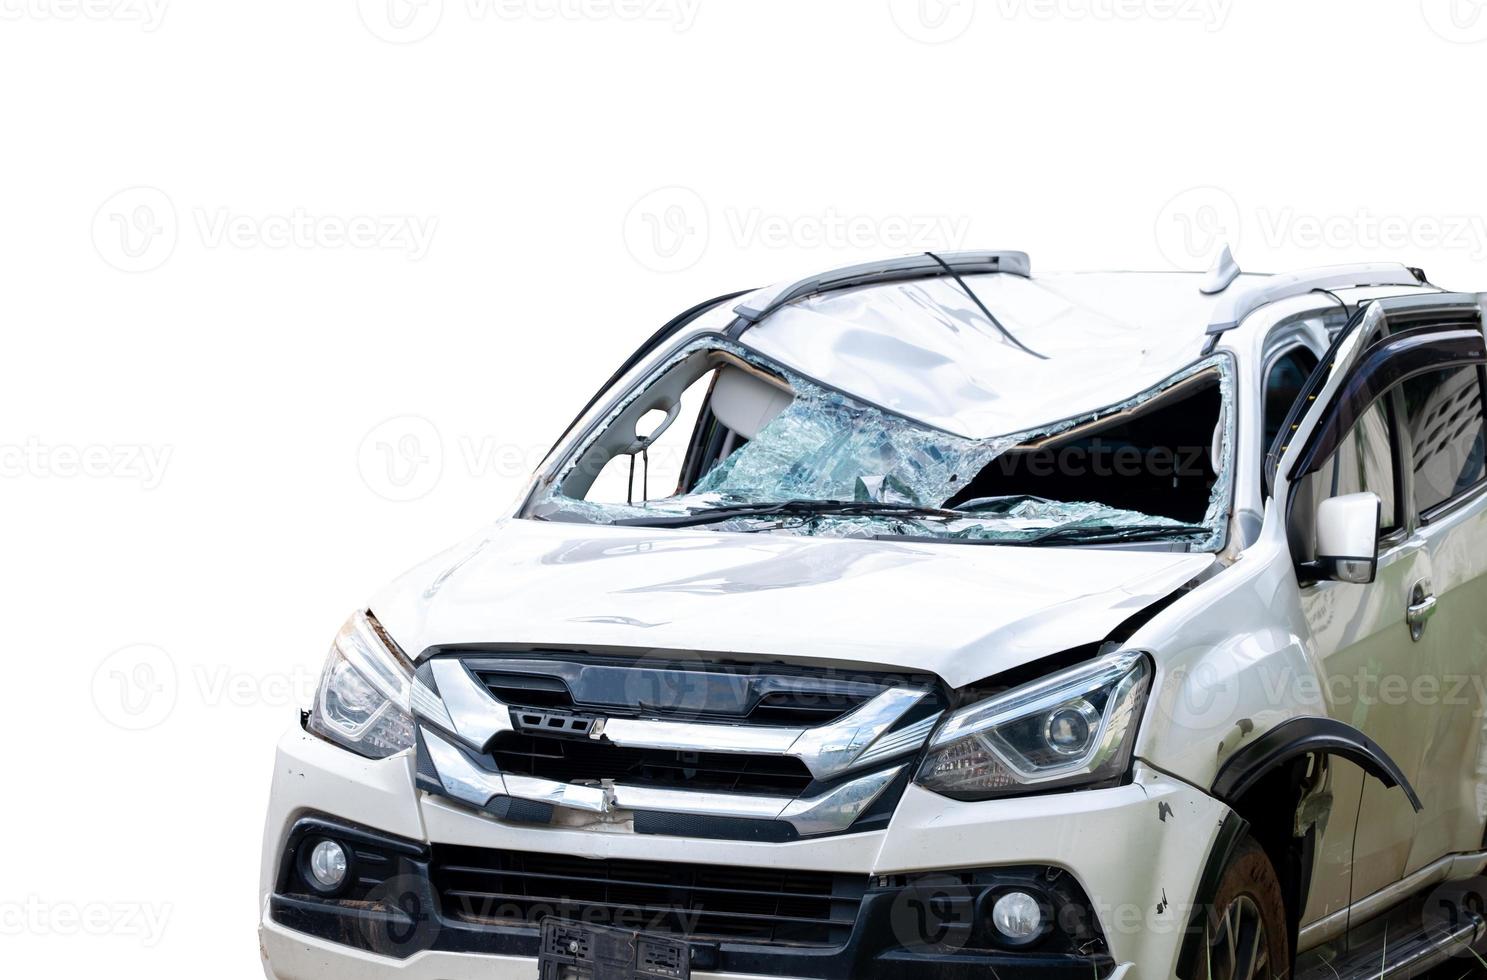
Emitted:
<point x="570" y="450"/>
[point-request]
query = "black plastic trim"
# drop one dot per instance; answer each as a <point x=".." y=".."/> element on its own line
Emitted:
<point x="403" y="916"/>
<point x="1383" y="366"/>
<point x="1307" y="736"/>
<point x="1445" y="310"/>
<point x="1231" y="832"/>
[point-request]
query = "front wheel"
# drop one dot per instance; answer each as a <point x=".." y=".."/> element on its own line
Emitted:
<point x="1247" y="937"/>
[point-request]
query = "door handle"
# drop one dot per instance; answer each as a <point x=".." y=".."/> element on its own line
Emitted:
<point x="1422" y="606"/>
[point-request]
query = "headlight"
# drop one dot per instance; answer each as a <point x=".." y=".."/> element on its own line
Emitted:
<point x="1075" y="727"/>
<point x="362" y="702"/>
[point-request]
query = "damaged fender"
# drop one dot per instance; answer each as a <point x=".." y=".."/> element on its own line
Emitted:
<point x="1307" y="736"/>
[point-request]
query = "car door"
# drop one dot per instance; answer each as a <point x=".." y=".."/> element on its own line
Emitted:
<point x="1446" y="435"/>
<point x="1358" y="635"/>
<point x="1354" y="438"/>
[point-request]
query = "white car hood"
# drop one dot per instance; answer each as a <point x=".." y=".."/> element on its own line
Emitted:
<point x="962" y="612"/>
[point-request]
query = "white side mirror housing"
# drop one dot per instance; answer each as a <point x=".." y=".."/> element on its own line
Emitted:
<point x="1348" y="538"/>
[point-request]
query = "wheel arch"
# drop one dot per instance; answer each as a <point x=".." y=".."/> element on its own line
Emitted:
<point x="1298" y="737"/>
<point x="1276" y="766"/>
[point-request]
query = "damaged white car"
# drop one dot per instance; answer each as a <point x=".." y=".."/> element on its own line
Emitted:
<point x="934" y="618"/>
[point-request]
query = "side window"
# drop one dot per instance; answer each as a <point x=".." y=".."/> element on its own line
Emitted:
<point x="1283" y="385"/>
<point x="1443" y="416"/>
<point x="1364" y="462"/>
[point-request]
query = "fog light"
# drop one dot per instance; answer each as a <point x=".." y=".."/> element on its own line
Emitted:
<point x="1018" y="918"/>
<point x="328" y="865"/>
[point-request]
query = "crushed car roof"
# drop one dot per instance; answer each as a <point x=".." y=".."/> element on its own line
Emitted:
<point x="924" y="348"/>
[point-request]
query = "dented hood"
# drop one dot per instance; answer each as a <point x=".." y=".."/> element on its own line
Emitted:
<point x="962" y="612"/>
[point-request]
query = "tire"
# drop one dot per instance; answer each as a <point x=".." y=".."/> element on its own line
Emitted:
<point x="1247" y="936"/>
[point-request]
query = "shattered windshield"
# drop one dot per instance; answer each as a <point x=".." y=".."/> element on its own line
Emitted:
<point x="723" y="439"/>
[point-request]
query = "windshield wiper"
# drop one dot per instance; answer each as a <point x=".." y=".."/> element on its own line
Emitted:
<point x="792" y="508"/>
<point x="1113" y="533"/>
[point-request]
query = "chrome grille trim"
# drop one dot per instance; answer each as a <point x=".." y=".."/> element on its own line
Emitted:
<point x="830" y="750"/>
<point x="854" y="755"/>
<point x="830" y="812"/>
<point x="835" y="748"/>
<point x="686" y="737"/>
<point x="460" y="778"/>
<point x="907" y="739"/>
<point x="426" y="704"/>
<point x="476" y="716"/>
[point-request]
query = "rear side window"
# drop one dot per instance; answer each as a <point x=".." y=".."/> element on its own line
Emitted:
<point x="1444" y="419"/>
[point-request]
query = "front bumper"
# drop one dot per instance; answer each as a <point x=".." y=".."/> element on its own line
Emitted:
<point x="1137" y="851"/>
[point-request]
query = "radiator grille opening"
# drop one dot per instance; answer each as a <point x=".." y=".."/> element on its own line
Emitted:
<point x="803" y="710"/>
<point x="701" y="695"/>
<point x="577" y="760"/>
<point x="755" y="905"/>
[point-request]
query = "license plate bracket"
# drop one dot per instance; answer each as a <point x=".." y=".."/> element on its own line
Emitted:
<point x="575" y="951"/>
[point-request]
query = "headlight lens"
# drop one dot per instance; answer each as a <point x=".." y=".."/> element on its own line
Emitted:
<point x="362" y="702"/>
<point x="1075" y="727"/>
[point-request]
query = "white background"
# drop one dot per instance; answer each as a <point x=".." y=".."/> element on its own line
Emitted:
<point x="294" y="293"/>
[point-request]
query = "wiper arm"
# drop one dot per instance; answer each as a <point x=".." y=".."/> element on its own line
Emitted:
<point x="792" y="508"/>
<point x="999" y="505"/>
<point x="1113" y="533"/>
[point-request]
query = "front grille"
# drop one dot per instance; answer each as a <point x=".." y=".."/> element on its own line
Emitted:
<point x="579" y="760"/>
<point x="706" y="903"/>
<point x="757" y="695"/>
<point x="806" y="710"/>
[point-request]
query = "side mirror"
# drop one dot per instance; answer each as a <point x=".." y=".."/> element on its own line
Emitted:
<point x="1348" y="538"/>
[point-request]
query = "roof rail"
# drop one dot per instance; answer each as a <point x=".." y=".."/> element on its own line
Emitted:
<point x="1231" y="310"/>
<point x="891" y="270"/>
